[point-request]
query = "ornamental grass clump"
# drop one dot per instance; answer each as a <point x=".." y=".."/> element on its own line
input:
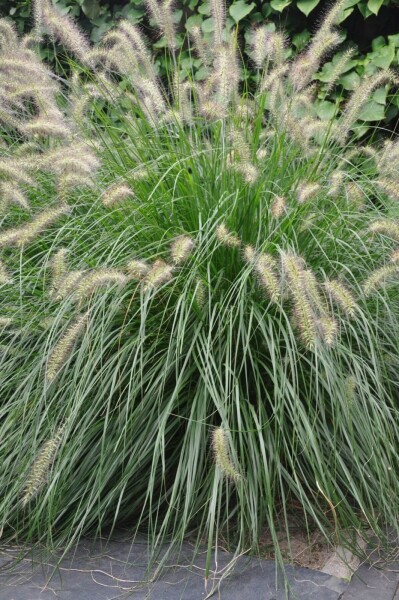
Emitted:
<point x="187" y="287"/>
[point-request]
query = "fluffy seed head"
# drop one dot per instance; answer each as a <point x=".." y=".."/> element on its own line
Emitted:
<point x="212" y="110"/>
<point x="4" y="276"/>
<point x="62" y="29"/>
<point x="11" y="193"/>
<point x="387" y="227"/>
<point x="378" y="277"/>
<point x="181" y="248"/>
<point x="390" y="188"/>
<point x="273" y="78"/>
<point x="306" y="191"/>
<point x="26" y="233"/>
<point x="221" y="455"/>
<point x="226" y="238"/>
<point x="358" y="99"/>
<point x="41" y="465"/>
<point x="395" y="257"/>
<point x="58" y="265"/>
<point x="249" y="254"/>
<point x="278" y="207"/>
<point x="137" y="269"/>
<point x="200" y="46"/>
<point x="218" y="12"/>
<point x="335" y="184"/>
<point x="261" y="45"/>
<point x="63" y="349"/>
<point x="328" y="329"/>
<point x="116" y="193"/>
<point x="66" y="285"/>
<point x="261" y="153"/>
<point x="355" y="194"/>
<point x="163" y="16"/>
<point x="99" y="278"/>
<point x="265" y="267"/>
<point x="159" y="273"/>
<point x="249" y="172"/>
<point x="304" y="315"/>
<point x="340" y="294"/>
<point x="200" y="292"/>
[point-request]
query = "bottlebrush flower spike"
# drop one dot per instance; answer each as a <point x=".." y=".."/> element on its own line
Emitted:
<point x="218" y="12"/>
<point x="249" y="254"/>
<point x="342" y="296"/>
<point x="11" y="193"/>
<point x="395" y="256"/>
<point x="225" y="237"/>
<point x="4" y="276"/>
<point x="305" y="318"/>
<point x="335" y="184"/>
<point x="265" y="267"/>
<point x="41" y="465"/>
<point x="329" y="330"/>
<point x="137" y="269"/>
<point x="355" y="194"/>
<point x="63" y="349"/>
<point x="387" y="227"/>
<point x="306" y="191"/>
<point x="116" y="193"/>
<point x="62" y="29"/>
<point x="278" y="207"/>
<point x="181" y="249"/>
<point x="163" y="16"/>
<point x="390" y="188"/>
<point x="58" y="266"/>
<point x="221" y="455"/>
<point x="358" y="99"/>
<point x="378" y="277"/>
<point x="26" y="233"/>
<point x="159" y="273"/>
<point x="66" y="285"/>
<point x="96" y="279"/>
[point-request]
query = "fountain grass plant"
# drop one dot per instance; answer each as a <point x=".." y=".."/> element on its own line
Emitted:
<point x="199" y="294"/>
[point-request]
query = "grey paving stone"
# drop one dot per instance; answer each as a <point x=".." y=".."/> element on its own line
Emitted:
<point x="117" y="570"/>
<point x="370" y="583"/>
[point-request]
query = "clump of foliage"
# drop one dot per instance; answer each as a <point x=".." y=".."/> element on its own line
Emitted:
<point x="199" y="308"/>
<point x="299" y="18"/>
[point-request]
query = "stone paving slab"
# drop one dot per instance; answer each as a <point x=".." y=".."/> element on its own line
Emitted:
<point x="370" y="583"/>
<point x="117" y="571"/>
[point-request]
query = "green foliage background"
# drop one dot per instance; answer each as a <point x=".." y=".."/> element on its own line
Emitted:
<point x="363" y="23"/>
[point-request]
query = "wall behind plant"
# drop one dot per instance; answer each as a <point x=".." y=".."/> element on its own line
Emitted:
<point x="371" y="26"/>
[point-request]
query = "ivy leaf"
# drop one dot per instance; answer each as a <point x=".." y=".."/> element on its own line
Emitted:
<point x="349" y="81"/>
<point x="374" y="6"/>
<point x="301" y="39"/>
<point x="326" y="110"/>
<point x="372" y="111"/>
<point x="306" y="6"/>
<point x="366" y="12"/>
<point x="377" y="43"/>
<point x="204" y="8"/>
<point x="193" y="21"/>
<point x="91" y="8"/>
<point x="240" y="9"/>
<point x="207" y="25"/>
<point x="280" y="5"/>
<point x="384" y="57"/>
<point x="380" y="95"/>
